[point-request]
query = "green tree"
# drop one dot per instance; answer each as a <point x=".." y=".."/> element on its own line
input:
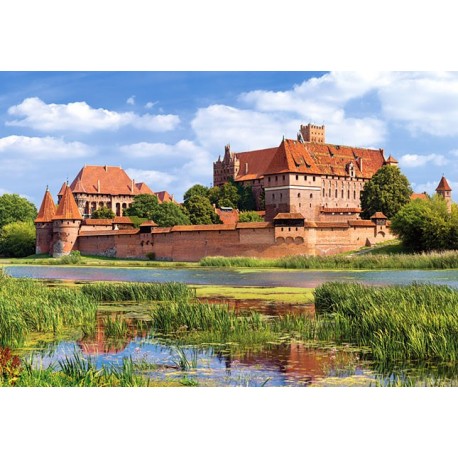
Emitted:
<point x="17" y="239"/>
<point x="15" y="208"/>
<point x="387" y="192"/>
<point x="201" y="211"/>
<point x="246" y="198"/>
<point x="196" y="190"/>
<point x="425" y="225"/>
<point x="103" y="213"/>
<point x="226" y="195"/>
<point x="169" y="214"/>
<point x="143" y="206"/>
<point x="249" y="217"/>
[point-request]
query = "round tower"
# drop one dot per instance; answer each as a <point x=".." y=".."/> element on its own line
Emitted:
<point x="44" y="224"/>
<point x="66" y="225"/>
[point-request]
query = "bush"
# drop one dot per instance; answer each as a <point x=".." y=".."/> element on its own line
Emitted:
<point x="18" y="239"/>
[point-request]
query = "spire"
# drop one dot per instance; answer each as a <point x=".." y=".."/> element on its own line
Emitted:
<point x="443" y="185"/>
<point x="47" y="209"/>
<point x="67" y="208"/>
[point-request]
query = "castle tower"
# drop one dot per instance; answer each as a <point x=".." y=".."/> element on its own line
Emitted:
<point x="312" y="133"/>
<point x="392" y="161"/>
<point x="225" y="169"/>
<point x="444" y="190"/>
<point x="44" y="224"/>
<point x="66" y="224"/>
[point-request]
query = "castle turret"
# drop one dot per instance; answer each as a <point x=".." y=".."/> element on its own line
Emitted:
<point x="312" y="133"/>
<point x="444" y="190"/>
<point x="44" y="224"/>
<point x="66" y="224"/>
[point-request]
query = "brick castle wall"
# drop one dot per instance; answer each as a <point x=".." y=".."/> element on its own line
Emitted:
<point x="263" y="242"/>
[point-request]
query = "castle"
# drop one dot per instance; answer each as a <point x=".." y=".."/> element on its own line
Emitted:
<point x="322" y="182"/>
<point x="312" y="206"/>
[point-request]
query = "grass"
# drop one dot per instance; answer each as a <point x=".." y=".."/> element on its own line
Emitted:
<point x="28" y="306"/>
<point x="398" y="323"/>
<point x="369" y="261"/>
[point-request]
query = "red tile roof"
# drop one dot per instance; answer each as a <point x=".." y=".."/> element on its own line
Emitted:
<point x="289" y="216"/>
<point x="378" y="215"/>
<point x="113" y="181"/>
<point x="110" y="232"/>
<point x="443" y="185"/>
<point x="67" y="208"/>
<point x="47" y="209"/>
<point x="422" y="196"/>
<point x="311" y="158"/>
<point x="361" y="223"/>
<point x="149" y="224"/>
<point x="257" y="161"/>
<point x="98" y="222"/>
<point x="122" y="220"/>
<point x="391" y="160"/>
<point x="164" y="196"/>
<point x="339" y="210"/>
<point x="332" y="224"/>
<point x="258" y="225"/>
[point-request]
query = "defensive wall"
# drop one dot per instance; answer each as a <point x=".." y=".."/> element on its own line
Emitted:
<point x="264" y="240"/>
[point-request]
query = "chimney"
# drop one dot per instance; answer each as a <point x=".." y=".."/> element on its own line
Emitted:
<point x="132" y="188"/>
<point x="98" y="186"/>
<point x="246" y="168"/>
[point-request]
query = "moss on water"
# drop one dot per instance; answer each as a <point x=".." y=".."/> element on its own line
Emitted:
<point x="271" y="294"/>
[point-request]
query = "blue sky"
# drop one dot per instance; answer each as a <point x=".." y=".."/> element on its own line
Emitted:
<point x="166" y="128"/>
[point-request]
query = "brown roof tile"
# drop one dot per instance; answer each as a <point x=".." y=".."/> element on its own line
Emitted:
<point x="67" y="208"/>
<point x="378" y="215"/>
<point x="110" y="232"/>
<point x="122" y="220"/>
<point x="339" y="210"/>
<point x="331" y="224"/>
<point x="253" y="164"/>
<point x="422" y="196"/>
<point x="289" y="216"/>
<point x="164" y="196"/>
<point x="149" y="224"/>
<point x="113" y="181"/>
<point x="258" y="225"/>
<point x="361" y="223"/>
<point x="47" y="209"/>
<point x="443" y="185"/>
<point x="98" y="222"/>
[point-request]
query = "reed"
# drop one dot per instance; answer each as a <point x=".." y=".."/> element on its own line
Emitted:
<point x="433" y="260"/>
<point x="131" y="291"/>
<point x="30" y="306"/>
<point x="115" y="327"/>
<point x="414" y="322"/>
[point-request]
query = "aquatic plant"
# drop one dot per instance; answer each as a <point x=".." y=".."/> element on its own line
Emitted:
<point x="416" y="322"/>
<point x="433" y="260"/>
<point x="10" y="366"/>
<point x="29" y="305"/>
<point x="115" y="327"/>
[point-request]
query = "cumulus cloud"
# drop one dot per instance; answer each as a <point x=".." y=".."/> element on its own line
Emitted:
<point x="185" y="162"/>
<point x="131" y="100"/>
<point x="156" y="179"/>
<point x="150" y="105"/>
<point x="42" y="148"/>
<point x="419" y="160"/>
<point x="81" y="117"/>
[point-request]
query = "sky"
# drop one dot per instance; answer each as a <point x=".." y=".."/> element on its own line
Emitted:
<point x="167" y="128"/>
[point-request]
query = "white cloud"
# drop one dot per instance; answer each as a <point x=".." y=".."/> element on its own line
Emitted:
<point x="131" y="100"/>
<point x="80" y="117"/>
<point x="156" y="180"/>
<point x="419" y="160"/>
<point x="150" y="105"/>
<point x="185" y="162"/>
<point x="42" y="147"/>
<point x="430" y="187"/>
<point x="424" y="103"/>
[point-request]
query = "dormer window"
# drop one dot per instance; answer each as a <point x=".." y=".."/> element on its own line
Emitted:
<point x="351" y="170"/>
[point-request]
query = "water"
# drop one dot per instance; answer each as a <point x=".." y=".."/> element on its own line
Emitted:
<point x="209" y="276"/>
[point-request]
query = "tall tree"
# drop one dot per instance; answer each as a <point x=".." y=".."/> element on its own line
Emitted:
<point x="196" y="190"/>
<point x="15" y="208"/>
<point x="169" y="214"/>
<point x="103" y="213"/>
<point x="143" y="206"/>
<point x="425" y="225"/>
<point x="249" y="217"/>
<point x="201" y="211"/>
<point x="387" y="192"/>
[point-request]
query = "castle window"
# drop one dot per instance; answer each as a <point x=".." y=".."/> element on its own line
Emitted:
<point x="329" y="192"/>
<point x="342" y="193"/>
<point x="273" y="196"/>
<point x="336" y="193"/>
<point x="297" y="177"/>
<point x="276" y="178"/>
<point x="298" y="194"/>
<point x="314" y="178"/>
<point x="311" y="196"/>
<point x="354" y="194"/>
<point x="348" y="196"/>
<point x="283" y="177"/>
<point x="281" y="196"/>
<point x="324" y="192"/>
<point x="268" y="179"/>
